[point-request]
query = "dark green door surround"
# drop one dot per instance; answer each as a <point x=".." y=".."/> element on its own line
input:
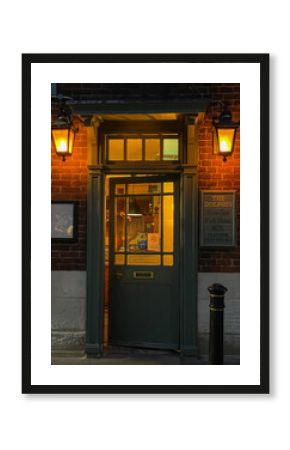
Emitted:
<point x="186" y="171"/>
<point x="144" y="302"/>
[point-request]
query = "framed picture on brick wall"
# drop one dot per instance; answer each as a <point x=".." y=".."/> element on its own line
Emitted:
<point x="167" y="137"/>
<point x="63" y="221"/>
<point x="217" y="226"/>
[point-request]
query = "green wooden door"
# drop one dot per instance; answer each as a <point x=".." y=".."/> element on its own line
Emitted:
<point x="144" y="262"/>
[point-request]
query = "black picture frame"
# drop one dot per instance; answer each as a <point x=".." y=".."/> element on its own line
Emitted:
<point x="263" y="61"/>
<point x="64" y="221"/>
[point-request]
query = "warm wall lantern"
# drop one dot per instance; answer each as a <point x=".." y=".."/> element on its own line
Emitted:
<point x="224" y="133"/>
<point x="62" y="130"/>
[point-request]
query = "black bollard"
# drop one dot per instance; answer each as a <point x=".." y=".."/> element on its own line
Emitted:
<point x="216" y="333"/>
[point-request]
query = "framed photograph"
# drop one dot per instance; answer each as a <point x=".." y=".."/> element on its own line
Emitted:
<point x="63" y="221"/>
<point x="172" y="223"/>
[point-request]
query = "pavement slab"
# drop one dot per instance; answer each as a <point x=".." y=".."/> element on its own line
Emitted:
<point x="135" y="357"/>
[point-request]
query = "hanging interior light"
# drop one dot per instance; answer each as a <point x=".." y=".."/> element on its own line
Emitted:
<point x="224" y="133"/>
<point x="134" y="209"/>
<point x="62" y="130"/>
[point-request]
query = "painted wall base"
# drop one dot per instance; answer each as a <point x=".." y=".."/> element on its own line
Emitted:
<point x="68" y="340"/>
<point x="68" y="311"/>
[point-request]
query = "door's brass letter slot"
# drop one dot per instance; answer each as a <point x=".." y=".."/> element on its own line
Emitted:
<point x="142" y="275"/>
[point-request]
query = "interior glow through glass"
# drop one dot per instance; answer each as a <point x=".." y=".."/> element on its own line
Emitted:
<point x="143" y="149"/>
<point x="144" y="223"/>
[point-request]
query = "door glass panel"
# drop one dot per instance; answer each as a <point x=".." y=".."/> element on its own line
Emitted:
<point x="152" y="149"/>
<point x="120" y="189"/>
<point x="116" y="150"/>
<point x="143" y="223"/>
<point x="138" y="211"/>
<point x="168" y="215"/>
<point x="134" y="149"/>
<point x="120" y="214"/>
<point x="167" y="260"/>
<point x="168" y="187"/>
<point x="143" y="260"/>
<point x="119" y="260"/>
<point x="144" y="188"/>
<point x="170" y="149"/>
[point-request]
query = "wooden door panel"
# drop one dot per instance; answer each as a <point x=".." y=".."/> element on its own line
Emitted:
<point x="144" y="301"/>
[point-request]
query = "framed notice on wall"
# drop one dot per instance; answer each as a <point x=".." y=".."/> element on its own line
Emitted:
<point x="217" y="219"/>
<point x="63" y="221"/>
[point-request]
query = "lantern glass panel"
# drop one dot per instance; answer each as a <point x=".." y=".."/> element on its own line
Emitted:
<point x="225" y="139"/>
<point x="71" y="141"/>
<point x="61" y="140"/>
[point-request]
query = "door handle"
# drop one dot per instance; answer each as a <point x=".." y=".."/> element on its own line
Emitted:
<point x="119" y="275"/>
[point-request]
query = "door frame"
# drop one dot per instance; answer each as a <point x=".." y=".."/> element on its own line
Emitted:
<point x="176" y="252"/>
<point x="188" y="201"/>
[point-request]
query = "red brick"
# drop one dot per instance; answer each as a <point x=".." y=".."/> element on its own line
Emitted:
<point x="69" y="178"/>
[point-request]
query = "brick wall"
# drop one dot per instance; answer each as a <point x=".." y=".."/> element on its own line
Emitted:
<point x="69" y="182"/>
<point x="106" y="92"/>
<point x="215" y="174"/>
<point x="69" y="178"/>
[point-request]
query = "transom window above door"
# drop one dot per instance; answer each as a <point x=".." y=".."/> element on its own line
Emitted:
<point x="143" y="148"/>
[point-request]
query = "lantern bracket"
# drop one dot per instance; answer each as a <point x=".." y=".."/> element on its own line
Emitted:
<point x="64" y="115"/>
